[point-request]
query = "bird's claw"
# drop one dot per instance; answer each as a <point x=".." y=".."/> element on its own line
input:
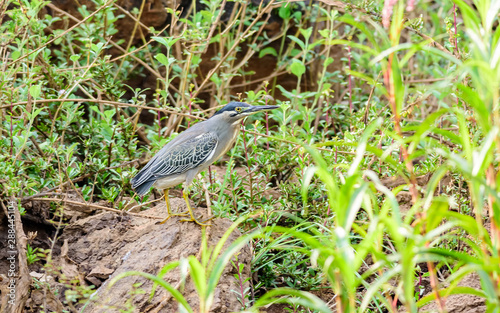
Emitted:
<point x="165" y="220"/>
<point x="202" y="223"/>
<point x="174" y="214"/>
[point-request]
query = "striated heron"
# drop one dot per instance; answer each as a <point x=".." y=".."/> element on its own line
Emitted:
<point x="192" y="151"/>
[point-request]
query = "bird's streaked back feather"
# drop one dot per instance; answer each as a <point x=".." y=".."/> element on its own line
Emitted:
<point x="178" y="159"/>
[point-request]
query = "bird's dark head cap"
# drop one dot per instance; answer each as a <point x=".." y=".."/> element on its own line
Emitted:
<point x="242" y="109"/>
<point x="231" y="107"/>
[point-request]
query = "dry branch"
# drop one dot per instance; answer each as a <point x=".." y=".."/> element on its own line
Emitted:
<point x="95" y="206"/>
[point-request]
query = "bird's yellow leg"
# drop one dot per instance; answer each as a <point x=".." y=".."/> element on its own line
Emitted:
<point x="193" y="219"/>
<point x="169" y="213"/>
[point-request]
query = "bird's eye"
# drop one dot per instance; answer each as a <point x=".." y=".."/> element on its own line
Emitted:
<point x="238" y="109"/>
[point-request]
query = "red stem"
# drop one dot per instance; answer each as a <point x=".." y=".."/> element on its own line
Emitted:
<point x="241" y="283"/>
<point x="11" y="128"/>
<point x="267" y="123"/>
<point x="267" y="129"/>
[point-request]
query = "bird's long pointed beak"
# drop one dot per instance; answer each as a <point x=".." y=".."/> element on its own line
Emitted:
<point x="258" y="108"/>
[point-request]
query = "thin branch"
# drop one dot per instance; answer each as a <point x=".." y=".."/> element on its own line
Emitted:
<point x="230" y="51"/>
<point x="110" y="103"/>
<point x="61" y="34"/>
<point x="49" y="191"/>
<point x="95" y="206"/>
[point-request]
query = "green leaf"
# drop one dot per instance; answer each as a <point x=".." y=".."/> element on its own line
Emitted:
<point x="107" y="133"/>
<point x="297" y="41"/>
<point x="291" y="296"/>
<point x="325" y="33"/>
<point x="328" y="61"/>
<point x="398" y="85"/>
<point x="297" y="68"/>
<point x="167" y="41"/>
<point x="199" y="277"/>
<point x="268" y="50"/>
<point x="35" y="91"/>
<point x="97" y="47"/>
<point x="215" y="38"/>
<point x="306" y="33"/>
<point x="164" y="60"/>
<point x="285" y="11"/>
<point x="96" y="109"/>
<point x="157" y="280"/>
<point x="15" y="55"/>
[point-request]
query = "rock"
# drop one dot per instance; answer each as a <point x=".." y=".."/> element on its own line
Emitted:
<point x="37" y="275"/>
<point x="44" y="278"/>
<point x="38" y="299"/>
<point x="460" y="303"/>
<point x="73" y="211"/>
<point x="98" y="274"/>
<point x="101" y="272"/>
<point x="154" y="14"/>
<point x="107" y="244"/>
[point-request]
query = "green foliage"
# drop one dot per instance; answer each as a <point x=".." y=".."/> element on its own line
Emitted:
<point x="414" y="100"/>
<point x="31" y="254"/>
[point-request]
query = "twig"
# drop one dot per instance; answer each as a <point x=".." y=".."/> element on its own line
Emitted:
<point x="236" y="44"/>
<point x="142" y="204"/>
<point x="131" y="16"/>
<point x="214" y="25"/>
<point x="49" y="191"/>
<point x="207" y="198"/>
<point x="425" y="80"/>
<point x="95" y="206"/>
<point x="132" y="35"/>
<point x="61" y="34"/>
<point x="110" y="103"/>
<point x="367" y="110"/>
<point x="121" y="104"/>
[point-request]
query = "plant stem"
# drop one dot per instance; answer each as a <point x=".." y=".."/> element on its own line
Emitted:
<point x="248" y="164"/>
<point x="349" y="78"/>
<point x="11" y="128"/>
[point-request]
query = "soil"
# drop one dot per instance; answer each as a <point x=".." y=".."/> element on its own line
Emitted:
<point x="98" y="248"/>
<point x="459" y="303"/>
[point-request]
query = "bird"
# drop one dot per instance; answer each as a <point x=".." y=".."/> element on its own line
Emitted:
<point x="191" y="152"/>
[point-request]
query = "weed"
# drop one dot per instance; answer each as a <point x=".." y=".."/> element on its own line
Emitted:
<point x="380" y="100"/>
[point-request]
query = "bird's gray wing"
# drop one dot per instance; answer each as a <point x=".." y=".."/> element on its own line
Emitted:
<point x="185" y="156"/>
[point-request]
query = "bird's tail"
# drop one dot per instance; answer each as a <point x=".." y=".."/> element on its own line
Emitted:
<point x="144" y="187"/>
<point x="142" y="182"/>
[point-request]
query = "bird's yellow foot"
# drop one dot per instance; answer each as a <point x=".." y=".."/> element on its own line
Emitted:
<point x="174" y="214"/>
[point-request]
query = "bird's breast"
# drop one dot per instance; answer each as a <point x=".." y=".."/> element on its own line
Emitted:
<point x="226" y="142"/>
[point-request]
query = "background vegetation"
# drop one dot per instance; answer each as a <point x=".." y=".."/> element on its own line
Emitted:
<point x="380" y="100"/>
